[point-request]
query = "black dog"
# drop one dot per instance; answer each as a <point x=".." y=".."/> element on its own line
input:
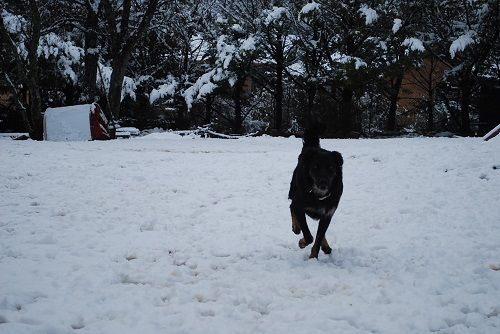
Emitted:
<point x="315" y="190"/>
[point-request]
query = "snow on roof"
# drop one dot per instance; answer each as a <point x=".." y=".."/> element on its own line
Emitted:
<point x="70" y="123"/>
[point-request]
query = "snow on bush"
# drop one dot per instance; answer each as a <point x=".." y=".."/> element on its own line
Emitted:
<point x="248" y="44"/>
<point x="274" y="14"/>
<point x="226" y="54"/>
<point x="167" y="89"/>
<point x="203" y="86"/>
<point x="309" y="7"/>
<point x="67" y="54"/>
<point x="104" y="78"/>
<point x="13" y="23"/>
<point x="396" y="26"/>
<point x="237" y="28"/>
<point x="414" y="44"/>
<point x="95" y="4"/>
<point x="461" y="43"/>
<point x="345" y="59"/>
<point x="369" y="13"/>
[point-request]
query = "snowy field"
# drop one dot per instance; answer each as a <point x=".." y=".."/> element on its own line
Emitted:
<point x="164" y="234"/>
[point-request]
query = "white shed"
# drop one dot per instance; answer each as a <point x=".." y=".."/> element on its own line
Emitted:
<point x="75" y="123"/>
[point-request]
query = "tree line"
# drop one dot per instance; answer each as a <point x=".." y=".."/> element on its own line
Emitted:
<point x="253" y="65"/>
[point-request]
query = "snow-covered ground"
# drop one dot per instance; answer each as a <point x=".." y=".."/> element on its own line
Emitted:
<point x="163" y="234"/>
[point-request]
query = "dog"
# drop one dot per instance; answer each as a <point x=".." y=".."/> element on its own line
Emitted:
<point x="315" y="190"/>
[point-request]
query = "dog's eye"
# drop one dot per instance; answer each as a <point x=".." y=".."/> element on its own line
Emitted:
<point x="316" y="166"/>
<point x="331" y="167"/>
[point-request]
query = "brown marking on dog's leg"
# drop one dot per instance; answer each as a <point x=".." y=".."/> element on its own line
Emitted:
<point x="320" y="236"/>
<point x="303" y="243"/>
<point x="295" y="224"/>
<point x="325" y="247"/>
<point x="314" y="253"/>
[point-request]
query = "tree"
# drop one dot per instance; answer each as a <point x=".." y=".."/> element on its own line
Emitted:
<point x="126" y="24"/>
<point x="463" y="34"/>
<point x="28" y="34"/>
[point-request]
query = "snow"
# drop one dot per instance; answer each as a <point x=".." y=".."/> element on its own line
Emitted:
<point x="369" y="13"/>
<point x="66" y="53"/>
<point x="104" y="80"/>
<point x="206" y="89"/>
<point x="179" y="235"/>
<point x="13" y="23"/>
<point x="167" y="89"/>
<point x="227" y="53"/>
<point x="203" y="86"/>
<point x="71" y="123"/>
<point x="95" y="5"/>
<point x="345" y="59"/>
<point x="274" y="15"/>
<point x="414" y="44"/>
<point x="248" y="44"/>
<point x="396" y="26"/>
<point x="237" y="28"/>
<point x="461" y="43"/>
<point x="310" y="7"/>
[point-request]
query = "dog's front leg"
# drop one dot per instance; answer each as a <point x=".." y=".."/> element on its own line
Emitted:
<point x="320" y="236"/>
<point x="299" y="223"/>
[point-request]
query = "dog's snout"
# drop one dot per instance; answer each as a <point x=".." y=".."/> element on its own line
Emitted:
<point x="323" y="184"/>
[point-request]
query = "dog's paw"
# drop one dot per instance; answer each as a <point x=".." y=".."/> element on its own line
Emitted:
<point x="314" y="254"/>
<point x="303" y="243"/>
<point x="325" y="247"/>
<point x="326" y="250"/>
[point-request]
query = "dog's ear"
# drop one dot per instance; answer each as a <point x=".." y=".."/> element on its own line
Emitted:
<point x="337" y="157"/>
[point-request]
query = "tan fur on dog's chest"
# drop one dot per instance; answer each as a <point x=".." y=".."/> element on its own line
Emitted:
<point x="320" y="211"/>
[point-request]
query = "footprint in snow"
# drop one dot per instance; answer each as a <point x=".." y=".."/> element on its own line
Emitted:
<point x="495" y="266"/>
<point x="78" y="324"/>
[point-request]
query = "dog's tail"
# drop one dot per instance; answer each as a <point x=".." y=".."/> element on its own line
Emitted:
<point x="311" y="137"/>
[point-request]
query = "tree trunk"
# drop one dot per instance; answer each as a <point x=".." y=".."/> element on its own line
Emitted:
<point x="278" y="112"/>
<point x="123" y="46"/>
<point x="465" y="109"/>
<point x="346" y="111"/>
<point x="91" y="55"/>
<point x="278" y="93"/>
<point x="393" y="99"/>
<point x="238" y="108"/>
<point x="430" y="111"/>
<point x="115" y="85"/>
<point x="430" y="100"/>
<point x="33" y="68"/>
<point x="208" y="109"/>
<point x="181" y="120"/>
<point x="311" y="94"/>
<point x="36" y="113"/>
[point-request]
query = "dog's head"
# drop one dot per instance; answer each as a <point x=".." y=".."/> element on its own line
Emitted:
<point x="323" y="168"/>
